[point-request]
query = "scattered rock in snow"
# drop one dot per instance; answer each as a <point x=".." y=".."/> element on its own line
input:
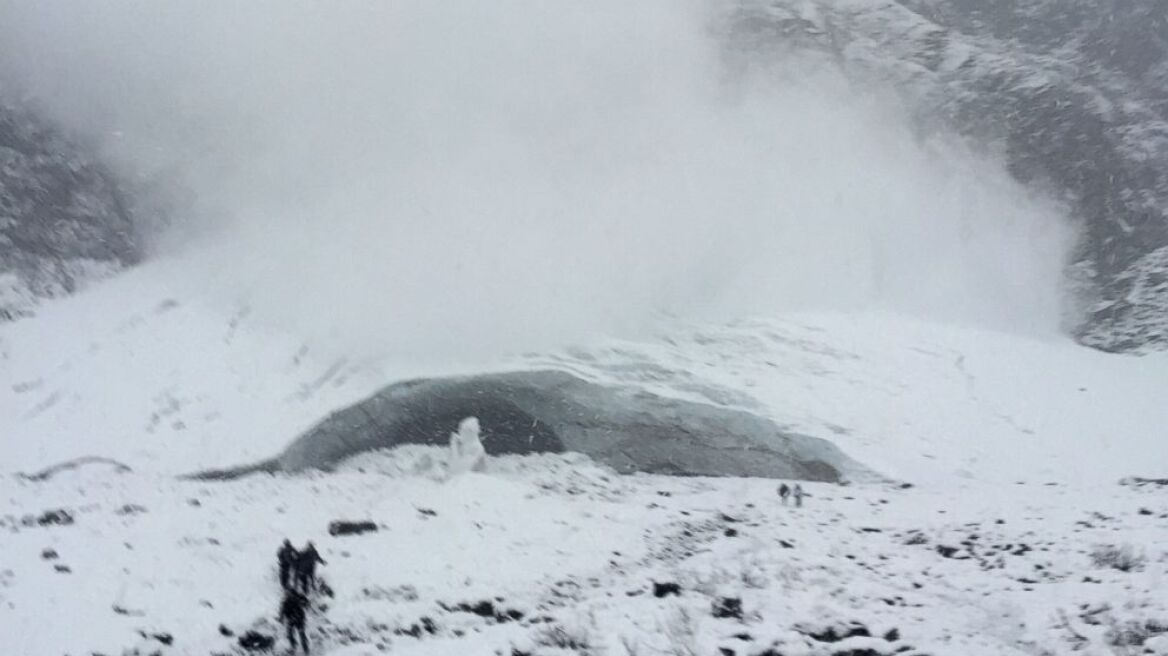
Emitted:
<point x="255" y="641"/>
<point x="57" y="517"/>
<point x="1138" y="482"/>
<point x="485" y="608"/>
<point x="344" y="527"/>
<point x="728" y="607"/>
<point x="836" y="633"/>
<point x="955" y="553"/>
<point x="661" y="590"/>
<point x="165" y="638"/>
<point x="122" y="610"/>
<point x="423" y="626"/>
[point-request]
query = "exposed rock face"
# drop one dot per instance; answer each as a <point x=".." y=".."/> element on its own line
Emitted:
<point x="63" y="219"/>
<point x="1075" y="92"/>
<point x="551" y="411"/>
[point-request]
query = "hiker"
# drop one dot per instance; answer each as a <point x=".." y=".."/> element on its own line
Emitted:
<point x="286" y="557"/>
<point x="306" y="567"/>
<point x="784" y="492"/>
<point x="292" y="616"/>
<point x="798" y="493"/>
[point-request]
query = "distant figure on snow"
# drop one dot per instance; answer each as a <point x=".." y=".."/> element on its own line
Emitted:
<point x="293" y="613"/>
<point x="466" y="448"/>
<point x="306" y="567"/>
<point x="287" y="557"/>
<point x="784" y="493"/>
<point x="798" y="493"/>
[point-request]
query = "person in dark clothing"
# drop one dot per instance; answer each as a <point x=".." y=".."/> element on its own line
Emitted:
<point x="293" y="613"/>
<point x="799" y="494"/>
<point x="287" y="557"/>
<point x="306" y="567"/>
<point x="784" y="492"/>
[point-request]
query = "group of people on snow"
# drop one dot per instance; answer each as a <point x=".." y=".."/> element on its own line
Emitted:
<point x="297" y="578"/>
<point x="786" y="492"/>
<point x="297" y="567"/>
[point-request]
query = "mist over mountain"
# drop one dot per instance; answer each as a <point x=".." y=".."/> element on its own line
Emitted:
<point x="64" y="219"/>
<point x="1072" y="94"/>
<point x="394" y="173"/>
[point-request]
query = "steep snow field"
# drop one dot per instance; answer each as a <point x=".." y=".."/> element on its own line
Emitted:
<point x="1014" y="447"/>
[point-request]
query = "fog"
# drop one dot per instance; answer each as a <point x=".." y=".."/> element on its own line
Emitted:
<point x="472" y="178"/>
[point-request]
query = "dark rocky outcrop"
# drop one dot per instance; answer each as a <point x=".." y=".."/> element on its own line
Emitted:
<point x="63" y="217"/>
<point x="665" y="589"/>
<point x="727" y="608"/>
<point x="1073" y="92"/>
<point x="343" y="527"/>
<point x="550" y="411"/>
<point x="255" y="641"/>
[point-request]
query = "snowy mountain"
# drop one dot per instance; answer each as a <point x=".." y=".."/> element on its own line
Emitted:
<point x="1071" y="94"/>
<point x="969" y="490"/>
<point x="1011" y="536"/>
<point x="64" y="221"/>
<point x="1075" y="94"/>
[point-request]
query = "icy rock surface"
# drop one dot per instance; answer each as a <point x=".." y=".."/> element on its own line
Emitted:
<point x="551" y="411"/>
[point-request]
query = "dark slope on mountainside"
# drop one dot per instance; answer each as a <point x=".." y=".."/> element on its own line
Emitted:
<point x="551" y="411"/>
<point x="1074" y="92"/>
<point x="63" y="218"/>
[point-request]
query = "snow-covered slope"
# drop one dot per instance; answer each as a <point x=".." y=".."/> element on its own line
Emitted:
<point x="1003" y="545"/>
<point x="170" y="384"/>
<point x="565" y="556"/>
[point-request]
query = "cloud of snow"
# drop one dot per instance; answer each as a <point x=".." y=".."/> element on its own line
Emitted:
<point x="465" y="177"/>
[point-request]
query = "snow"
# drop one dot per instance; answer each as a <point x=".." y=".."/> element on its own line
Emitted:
<point x="1014" y="446"/>
<point x="558" y="537"/>
<point x="467" y="452"/>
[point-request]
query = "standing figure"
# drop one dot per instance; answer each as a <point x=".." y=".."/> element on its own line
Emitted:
<point x="466" y="447"/>
<point x="784" y="493"/>
<point x="306" y="567"/>
<point x="798" y="493"/>
<point x="293" y="613"/>
<point x="286" y="557"/>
